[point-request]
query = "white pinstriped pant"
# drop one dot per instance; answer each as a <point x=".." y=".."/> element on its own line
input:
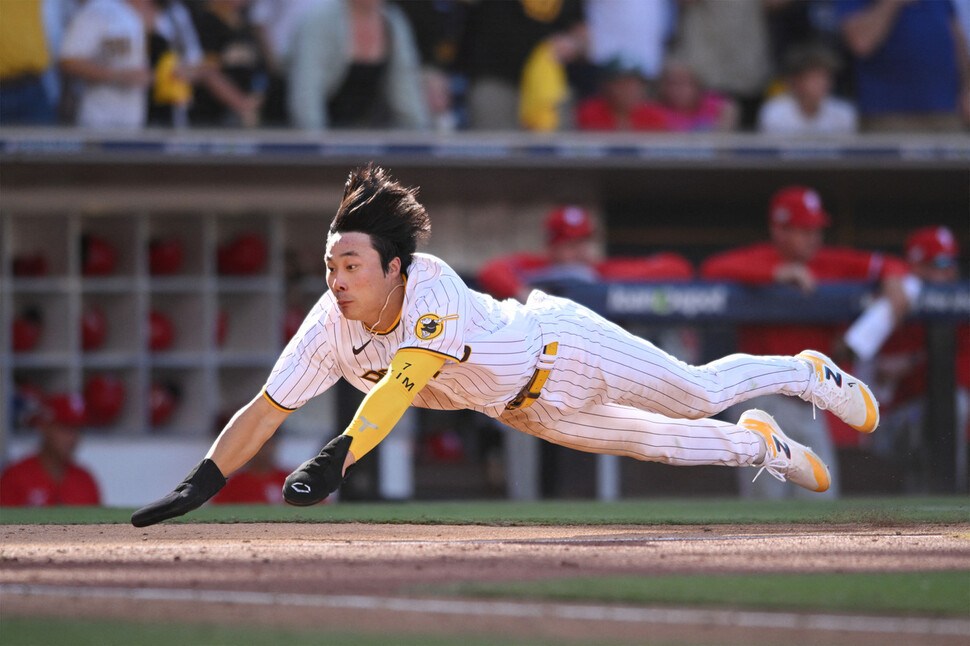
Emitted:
<point x="613" y="392"/>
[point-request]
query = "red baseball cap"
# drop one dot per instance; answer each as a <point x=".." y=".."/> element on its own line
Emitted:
<point x="67" y="409"/>
<point x="798" y="206"/>
<point x="566" y="223"/>
<point x="934" y="244"/>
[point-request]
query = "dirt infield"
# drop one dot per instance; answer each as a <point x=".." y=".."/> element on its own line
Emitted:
<point x="270" y="574"/>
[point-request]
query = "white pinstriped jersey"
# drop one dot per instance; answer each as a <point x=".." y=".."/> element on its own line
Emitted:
<point x="491" y="346"/>
<point x="608" y="391"/>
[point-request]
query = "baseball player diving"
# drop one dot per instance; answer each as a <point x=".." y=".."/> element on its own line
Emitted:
<point x="403" y="327"/>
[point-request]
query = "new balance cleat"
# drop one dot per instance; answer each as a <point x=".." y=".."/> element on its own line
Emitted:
<point x="835" y="390"/>
<point x="786" y="459"/>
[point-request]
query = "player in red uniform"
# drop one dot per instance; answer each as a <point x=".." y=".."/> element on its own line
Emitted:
<point x="570" y="256"/>
<point x="900" y="368"/>
<point x="796" y="256"/>
<point x="260" y="481"/>
<point x="50" y="477"/>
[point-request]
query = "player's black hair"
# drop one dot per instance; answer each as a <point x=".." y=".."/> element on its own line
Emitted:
<point x="376" y="204"/>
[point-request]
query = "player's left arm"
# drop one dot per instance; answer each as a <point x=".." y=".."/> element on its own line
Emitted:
<point x="410" y="371"/>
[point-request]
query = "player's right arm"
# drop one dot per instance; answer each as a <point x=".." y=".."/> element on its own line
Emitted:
<point x="239" y="441"/>
<point x="246" y="433"/>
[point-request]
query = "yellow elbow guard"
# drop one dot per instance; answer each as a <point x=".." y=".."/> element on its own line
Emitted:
<point x="409" y="372"/>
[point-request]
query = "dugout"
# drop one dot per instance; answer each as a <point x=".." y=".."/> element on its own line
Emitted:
<point x="487" y="195"/>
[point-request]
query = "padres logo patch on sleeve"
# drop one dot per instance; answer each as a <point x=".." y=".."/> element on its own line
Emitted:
<point x="430" y="326"/>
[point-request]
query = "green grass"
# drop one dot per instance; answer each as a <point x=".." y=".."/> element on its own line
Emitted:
<point x="21" y="631"/>
<point x="661" y="511"/>
<point x="910" y="593"/>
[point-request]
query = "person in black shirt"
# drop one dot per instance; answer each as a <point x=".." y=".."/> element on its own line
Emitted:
<point x="234" y="96"/>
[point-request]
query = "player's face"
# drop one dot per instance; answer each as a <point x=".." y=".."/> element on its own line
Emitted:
<point x="60" y="441"/>
<point x="812" y="86"/>
<point x="572" y="252"/>
<point x="797" y="244"/>
<point x="357" y="279"/>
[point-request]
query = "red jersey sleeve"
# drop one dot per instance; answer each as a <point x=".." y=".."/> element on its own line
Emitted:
<point x="504" y="277"/>
<point x="893" y="266"/>
<point x="752" y="265"/>
<point x="12" y="493"/>
<point x="843" y="263"/>
<point x="661" y="266"/>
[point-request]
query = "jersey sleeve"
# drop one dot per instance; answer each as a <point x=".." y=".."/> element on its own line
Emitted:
<point x="307" y="366"/>
<point x="409" y="372"/>
<point x="854" y="264"/>
<point x="661" y="266"/>
<point x="436" y="321"/>
<point x="749" y="265"/>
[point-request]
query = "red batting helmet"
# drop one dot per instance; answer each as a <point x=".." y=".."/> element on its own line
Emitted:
<point x="162" y="401"/>
<point x="31" y="265"/>
<point x="25" y="333"/>
<point x="26" y="329"/>
<point x="93" y="329"/>
<point x="798" y="206"/>
<point x="165" y="256"/>
<point x="104" y="396"/>
<point x="65" y="409"/>
<point x="933" y="244"/>
<point x="567" y="223"/>
<point x="161" y="332"/>
<point x="245" y="255"/>
<point x="98" y="257"/>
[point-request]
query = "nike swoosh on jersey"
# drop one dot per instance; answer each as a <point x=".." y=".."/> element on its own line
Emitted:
<point x="357" y="351"/>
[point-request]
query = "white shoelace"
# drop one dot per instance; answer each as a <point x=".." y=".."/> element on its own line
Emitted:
<point x="826" y="399"/>
<point x="773" y="466"/>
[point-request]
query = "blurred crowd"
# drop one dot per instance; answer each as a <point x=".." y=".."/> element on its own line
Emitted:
<point x="775" y="66"/>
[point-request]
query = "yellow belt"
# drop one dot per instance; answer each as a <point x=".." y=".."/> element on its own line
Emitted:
<point x="530" y="392"/>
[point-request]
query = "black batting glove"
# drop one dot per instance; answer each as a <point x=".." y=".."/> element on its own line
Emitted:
<point x="318" y="478"/>
<point x="202" y="483"/>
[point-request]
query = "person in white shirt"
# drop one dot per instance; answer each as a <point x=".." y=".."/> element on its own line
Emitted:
<point x="632" y="31"/>
<point x="104" y="47"/>
<point x="808" y="106"/>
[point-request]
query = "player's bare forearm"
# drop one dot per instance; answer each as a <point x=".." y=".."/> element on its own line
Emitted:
<point x="95" y="72"/>
<point x="245" y="433"/>
<point x="892" y="288"/>
<point x="348" y="462"/>
<point x="866" y="30"/>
